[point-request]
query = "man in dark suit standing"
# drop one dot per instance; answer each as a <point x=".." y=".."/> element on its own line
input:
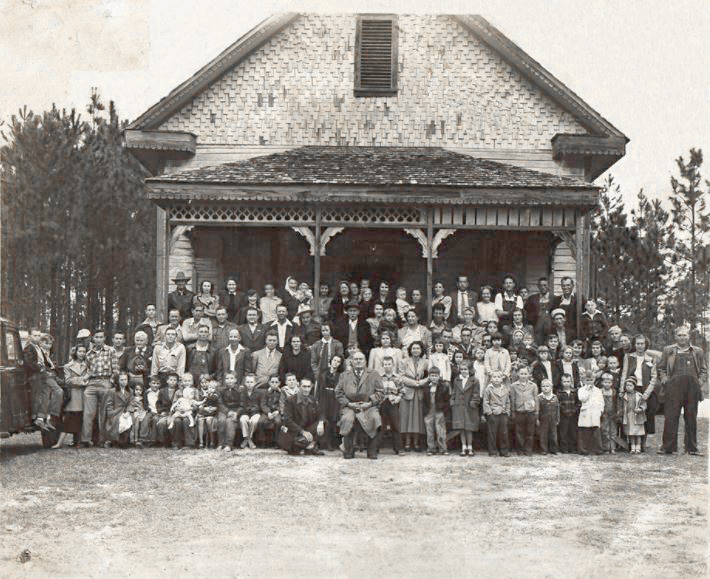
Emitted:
<point x="353" y="331"/>
<point x="537" y="309"/>
<point x="282" y="326"/>
<point x="462" y="298"/>
<point x="568" y="302"/>
<point x="683" y="374"/>
<point x="181" y="298"/>
<point x="253" y="333"/>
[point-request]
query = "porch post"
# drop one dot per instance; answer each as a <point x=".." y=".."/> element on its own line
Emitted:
<point x="579" y="265"/>
<point x="316" y="263"/>
<point x="429" y="261"/>
<point x="162" y="262"/>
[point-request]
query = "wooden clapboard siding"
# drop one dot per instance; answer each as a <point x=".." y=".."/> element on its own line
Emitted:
<point x="182" y="258"/>
<point x="563" y="264"/>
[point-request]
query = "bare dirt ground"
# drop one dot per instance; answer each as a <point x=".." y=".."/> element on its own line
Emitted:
<point x="153" y="512"/>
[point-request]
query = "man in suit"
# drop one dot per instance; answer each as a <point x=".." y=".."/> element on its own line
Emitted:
<point x="282" y="326"/>
<point x="181" y="298"/>
<point x="683" y="375"/>
<point x="461" y="299"/>
<point x="252" y="333"/>
<point x="265" y="361"/>
<point x="537" y="309"/>
<point x="234" y="358"/>
<point x="352" y="330"/>
<point x="137" y="360"/>
<point x="220" y="329"/>
<point x="568" y="302"/>
<point x="359" y="393"/>
<point x="232" y="299"/>
<point x="303" y="422"/>
<point x="322" y="352"/>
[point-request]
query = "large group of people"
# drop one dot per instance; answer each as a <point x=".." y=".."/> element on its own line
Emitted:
<point x="507" y="371"/>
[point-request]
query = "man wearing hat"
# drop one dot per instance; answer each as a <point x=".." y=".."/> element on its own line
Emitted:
<point x="307" y="327"/>
<point x="181" y="298"/>
<point x="560" y="327"/>
<point x="353" y="331"/>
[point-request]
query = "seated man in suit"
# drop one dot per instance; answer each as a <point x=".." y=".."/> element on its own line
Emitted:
<point x="352" y="330"/>
<point x="265" y="361"/>
<point x="252" y="332"/>
<point x="304" y="422"/>
<point x="359" y="393"/>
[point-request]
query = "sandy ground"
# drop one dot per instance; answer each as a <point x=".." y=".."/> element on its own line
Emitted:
<point x="155" y="512"/>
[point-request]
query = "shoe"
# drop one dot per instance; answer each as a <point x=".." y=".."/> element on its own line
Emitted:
<point x="372" y="456"/>
<point x="543" y="452"/>
<point x="49" y="424"/>
<point x="445" y="453"/>
<point x="429" y="453"/>
<point x="39" y="422"/>
<point x="695" y="453"/>
<point x="505" y="454"/>
<point x="463" y="452"/>
<point x="244" y="443"/>
<point x="252" y="445"/>
<point x="107" y="444"/>
<point x="348" y="456"/>
<point x="139" y="444"/>
<point x="663" y="452"/>
<point x="471" y="452"/>
<point x="202" y="445"/>
<point x="227" y="448"/>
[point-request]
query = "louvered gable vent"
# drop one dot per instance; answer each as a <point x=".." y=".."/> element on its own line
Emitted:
<point x="376" y="56"/>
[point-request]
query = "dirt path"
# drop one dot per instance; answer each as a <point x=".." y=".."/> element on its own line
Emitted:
<point x="154" y="512"/>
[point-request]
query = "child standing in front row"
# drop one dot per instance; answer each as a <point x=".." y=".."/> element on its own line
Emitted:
<point x="634" y="415"/>
<point x="465" y="403"/>
<point x="569" y="409"/>
<point x="549" y="418"/>
<point x="496" y="407"/>
<point x="436" y="403"/>
<point x="440" y="358"/>
<point x="608" y="424"/>
<point x="589" y="423"/>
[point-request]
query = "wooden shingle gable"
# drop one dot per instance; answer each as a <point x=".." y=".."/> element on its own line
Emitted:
<point x="376" y="55"/>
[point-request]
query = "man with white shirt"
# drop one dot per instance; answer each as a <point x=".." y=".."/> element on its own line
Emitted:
<point x="265" y="361"/>
<point x="235" y="358"/>
<point x="461" y="299"/>
<point x="168" y="356"/>
<point x="507" y="301"/>
<point x="282" y="326"/>
<point x="190" y="325"/>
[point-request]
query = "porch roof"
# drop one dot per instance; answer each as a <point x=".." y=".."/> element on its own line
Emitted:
<point x="384" y="174"/>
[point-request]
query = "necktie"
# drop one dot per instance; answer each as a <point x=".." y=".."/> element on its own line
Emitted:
<point x="232" y="303"/>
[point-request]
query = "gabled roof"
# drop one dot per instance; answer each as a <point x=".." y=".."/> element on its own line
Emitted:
<point x="476" y="25"/>
<point x="372" y="174"/>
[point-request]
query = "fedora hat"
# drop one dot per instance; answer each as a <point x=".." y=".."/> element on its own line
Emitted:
<point x="180" y="277"/>
<point x="352" y="304"/>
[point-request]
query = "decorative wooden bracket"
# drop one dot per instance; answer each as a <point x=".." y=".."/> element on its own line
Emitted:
<point x="310" y="238"/>
<point x="568" y="238"/>
<point x="328" y="234"/>
<point x="421" y="237"/>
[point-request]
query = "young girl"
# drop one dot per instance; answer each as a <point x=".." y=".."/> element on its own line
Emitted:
<point x="441" y="298"/>
<point x="553" y="345"/>
<point x="465" y="403"/>
<point x="207" y="299"/>
<point x="456" y="363"/>
<point x="567" y="365"/>
<point x="633" y="415"/>
<point x="479" y="368"/>
<point x="377" y="355"/>
<point x="543" y="368"/>
<point x="118" y="405"/>
<point x="440" y="359"/>
<point x="589" y="423"/>
<point x="486" y="309"/>
<point x="402" y="304"/>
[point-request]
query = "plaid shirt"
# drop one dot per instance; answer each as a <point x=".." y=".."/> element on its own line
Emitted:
<point x="102" y="363"/>
<point x="568" y="402"/>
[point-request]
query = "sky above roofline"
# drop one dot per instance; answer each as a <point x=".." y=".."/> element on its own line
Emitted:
<point x="639" y="63"/>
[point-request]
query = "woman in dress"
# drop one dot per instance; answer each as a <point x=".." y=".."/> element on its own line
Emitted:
<point x="290" y="296"/>
<point x="412" y="332"/>
<point x="329" y="403"/>
<point x="413" y="374"/>
<point x="486" y="309"/>
<point x="76" y="377"/>
<point x="642" y="366"/>
<point x="377" y="355"/>
<point x="118" y="407"/>
<point x="440" y="297"/>
<point x="207" y="299"/>
<point x="377" y="317"/>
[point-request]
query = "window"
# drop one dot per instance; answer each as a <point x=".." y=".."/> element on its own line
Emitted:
<point x="376" y="55"/>
<point x="12" y="345"/>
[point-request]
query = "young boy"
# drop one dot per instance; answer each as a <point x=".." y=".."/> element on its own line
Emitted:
<point x="270" y="414"/>
<point x="589" y="433"/>
<point x="249" y="409"/>
<point x="525" y="406"/>
<point x="389" y="408"/>
<point x="569" y="408"/>
<point x="436" y="403"/>
<point x="228" y="412"/>
<point x="207" y="415"/>
<point x="549" y="418"/>
<point x="577" y="351"/>
<point x="163" y="404"/>
<point x="614" y="368"/>
<point x="528" y="351"/>
<point x="497" y="359"/>
<point x="496" y="407"/>
<point x="402" y="304"/>
<point x="553" y="344"/>
<point x="609" y="426"/>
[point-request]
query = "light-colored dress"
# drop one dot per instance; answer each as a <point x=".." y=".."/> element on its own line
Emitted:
<point x="486" y="312"/>
<point x="411" y="408"/>
<point x="377" y="355"/>
<point x="632" y="420"/>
